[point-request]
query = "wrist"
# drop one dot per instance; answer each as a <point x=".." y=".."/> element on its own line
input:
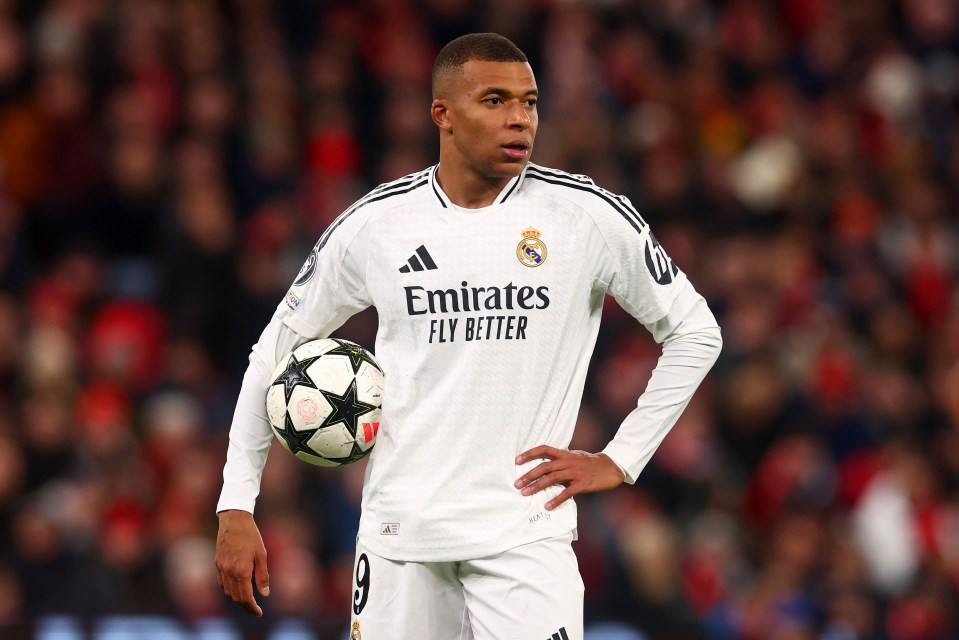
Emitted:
<point x="622" y="471"/>
<point x="228" y="515"/>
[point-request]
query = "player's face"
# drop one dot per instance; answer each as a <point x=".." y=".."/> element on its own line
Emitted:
<point x="492" y="117"/>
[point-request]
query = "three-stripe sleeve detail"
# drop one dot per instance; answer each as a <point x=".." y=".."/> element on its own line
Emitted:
<point x="404" y="185"/>
<point x="620" y="204"/>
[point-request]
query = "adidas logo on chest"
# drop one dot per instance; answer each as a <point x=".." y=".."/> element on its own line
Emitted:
<point x="421" y="260"/>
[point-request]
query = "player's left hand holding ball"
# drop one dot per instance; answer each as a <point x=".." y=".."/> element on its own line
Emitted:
<point x="578" y="471"/>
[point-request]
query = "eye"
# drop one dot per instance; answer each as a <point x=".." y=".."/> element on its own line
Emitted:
<point x="531" y="102"/>
<point x="494" y="100"/>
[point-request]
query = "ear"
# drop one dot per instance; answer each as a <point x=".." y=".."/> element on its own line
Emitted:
<point x="440" y="113"/>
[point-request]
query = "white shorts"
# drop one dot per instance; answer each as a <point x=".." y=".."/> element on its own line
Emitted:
<point x="531" y="592"/>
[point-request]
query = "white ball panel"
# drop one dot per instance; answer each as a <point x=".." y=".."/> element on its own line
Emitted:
<point x="332" y="442"/>
<point x="332" y="373"/>
<point x="314" y="348"/>
<point x="276" y="405"/>
<point x="369" y="385"/>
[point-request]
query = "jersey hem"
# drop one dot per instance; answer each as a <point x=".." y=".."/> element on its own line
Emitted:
<point x="466" y="552"/>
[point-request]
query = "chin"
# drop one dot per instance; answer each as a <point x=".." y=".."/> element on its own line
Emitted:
<point x="508" y="169"/>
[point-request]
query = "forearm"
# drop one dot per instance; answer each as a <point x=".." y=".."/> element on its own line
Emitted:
<point x="691" y="343"/>
<point x="250" y="432"/>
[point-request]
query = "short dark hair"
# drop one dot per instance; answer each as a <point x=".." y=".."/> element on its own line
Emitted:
<point x="486" y="47"/>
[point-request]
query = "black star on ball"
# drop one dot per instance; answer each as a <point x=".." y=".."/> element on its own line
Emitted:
<point x="357" y="355"/>
<point x="295" y="374"/>
<point x="296" y="440"/>
<point x="346" y="408"/>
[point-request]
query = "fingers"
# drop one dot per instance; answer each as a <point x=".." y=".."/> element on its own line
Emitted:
<point x="235" y="578"/>
<point x="535" y="474"/>
<point x="237" y="584"/>
<point x="577" y="471"/>
<point x="242" y="594"/>
<point x="542" y="451"/>
<point x="563" y="496"/>
<point x="550" y="454"/>
<point x="570" y="481"/>
<point x="247" y="602"/>
<point x="261" y="573"/>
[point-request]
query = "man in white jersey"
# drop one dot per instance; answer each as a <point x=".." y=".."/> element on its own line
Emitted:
<point x="488" y="274"/>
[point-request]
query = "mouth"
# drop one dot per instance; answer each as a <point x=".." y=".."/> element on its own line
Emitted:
<point x="516" y="148"/>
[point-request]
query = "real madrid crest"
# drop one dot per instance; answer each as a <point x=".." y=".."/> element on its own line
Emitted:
<point x="531" y="251"/>
<point x="355" y="631"/>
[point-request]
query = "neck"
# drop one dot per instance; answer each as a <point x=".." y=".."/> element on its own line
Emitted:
<point x="466" y="188"/>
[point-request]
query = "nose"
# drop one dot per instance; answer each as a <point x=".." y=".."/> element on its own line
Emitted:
<point x="518" y="117"/>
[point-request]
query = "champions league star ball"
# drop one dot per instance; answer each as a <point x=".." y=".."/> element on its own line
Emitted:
<point x="324" y="402"/>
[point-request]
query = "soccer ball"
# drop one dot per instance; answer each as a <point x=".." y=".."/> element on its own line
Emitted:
<point x="324" y="402"/>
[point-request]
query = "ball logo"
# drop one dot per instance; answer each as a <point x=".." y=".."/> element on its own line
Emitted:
<point x="306" y="408"/>
<point x="355" y="631"/>
<point x="531" y="251"/>
<point x="370" y="429"/>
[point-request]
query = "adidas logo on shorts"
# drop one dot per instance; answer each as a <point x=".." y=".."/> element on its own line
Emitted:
<point x="559" y="635"/>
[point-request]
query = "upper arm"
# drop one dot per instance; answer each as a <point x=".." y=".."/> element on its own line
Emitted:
<point x="635" y="267"/>
<point x="331" y="285"/>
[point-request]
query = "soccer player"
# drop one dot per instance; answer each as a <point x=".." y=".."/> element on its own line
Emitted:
<point x="488" y="273"/>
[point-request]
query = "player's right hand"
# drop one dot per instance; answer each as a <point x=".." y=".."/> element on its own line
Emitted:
<point x="240" y="554"/>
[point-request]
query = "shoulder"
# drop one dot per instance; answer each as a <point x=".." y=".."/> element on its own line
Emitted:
<point x="386" y="197"/>
<point x="395" y="192"/>
<point x="583" y="192"/>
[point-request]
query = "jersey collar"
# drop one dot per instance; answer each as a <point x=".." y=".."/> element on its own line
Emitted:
<point x="511" y="187"/>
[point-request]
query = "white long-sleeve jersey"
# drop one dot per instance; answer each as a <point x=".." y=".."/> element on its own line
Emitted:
<point x="488" y="318"/>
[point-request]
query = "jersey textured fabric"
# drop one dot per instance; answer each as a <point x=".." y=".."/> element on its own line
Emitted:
<point x="488" y="318"/>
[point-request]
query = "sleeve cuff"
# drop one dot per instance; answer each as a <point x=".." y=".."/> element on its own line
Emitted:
<point x="620" y="455"/>
<point x="233" y="497"/>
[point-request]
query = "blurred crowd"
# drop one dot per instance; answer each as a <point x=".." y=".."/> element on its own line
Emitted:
<point x="166" y="165"/>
